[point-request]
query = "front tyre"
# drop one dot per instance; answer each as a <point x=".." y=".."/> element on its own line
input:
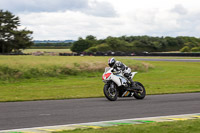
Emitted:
<point x="110" y="93"/>
<point x="139" y="94"/>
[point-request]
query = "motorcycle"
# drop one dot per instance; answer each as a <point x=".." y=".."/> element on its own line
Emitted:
<point x="117" y="85"/>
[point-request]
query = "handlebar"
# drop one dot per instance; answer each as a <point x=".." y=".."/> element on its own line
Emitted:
<point x="116" y="72"/>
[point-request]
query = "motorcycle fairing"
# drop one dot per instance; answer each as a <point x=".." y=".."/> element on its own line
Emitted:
<point x="119" y="80"/>
<point x="133" y="74"/>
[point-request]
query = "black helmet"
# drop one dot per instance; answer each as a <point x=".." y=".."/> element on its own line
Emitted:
<point x="111" y="62"/>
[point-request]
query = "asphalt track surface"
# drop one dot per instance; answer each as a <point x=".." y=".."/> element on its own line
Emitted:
<point x="15" y="115"/>
<point x="173" y="60"/>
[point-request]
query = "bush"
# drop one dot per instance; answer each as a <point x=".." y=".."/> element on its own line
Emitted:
<point x="103" y="47"/>
<point x="185" y="49"/>
<point x="91" y="49"/>
<point x="195" y="49"/>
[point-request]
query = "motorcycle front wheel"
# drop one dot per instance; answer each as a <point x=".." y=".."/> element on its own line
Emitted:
<point x="140" y="94"/>
<point x="110" y="93"/>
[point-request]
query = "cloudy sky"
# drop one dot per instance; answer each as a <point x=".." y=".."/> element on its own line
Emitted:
<point x="70" y="19"/>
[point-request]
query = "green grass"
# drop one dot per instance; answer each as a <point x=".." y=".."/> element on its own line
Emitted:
<point x="163" y="78"/>
<point x="172" y="77"/>
<point x="188" y="126"/>
<point x="51" y="88"/>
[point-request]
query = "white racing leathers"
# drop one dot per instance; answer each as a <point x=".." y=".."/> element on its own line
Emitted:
<point x="118" y="66"/>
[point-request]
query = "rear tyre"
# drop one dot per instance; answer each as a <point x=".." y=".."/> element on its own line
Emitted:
<point x="110" y="94"/>
<point x="139" y="94"/>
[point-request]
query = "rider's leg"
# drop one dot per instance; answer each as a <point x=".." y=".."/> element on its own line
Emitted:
<point x="128" y="76"/>
<point x="131" y="81"/>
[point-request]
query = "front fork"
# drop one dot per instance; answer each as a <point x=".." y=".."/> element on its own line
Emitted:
<point x="112" y="85"/>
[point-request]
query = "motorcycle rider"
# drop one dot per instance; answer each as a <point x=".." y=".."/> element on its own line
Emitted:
<point x="119" y="66"/>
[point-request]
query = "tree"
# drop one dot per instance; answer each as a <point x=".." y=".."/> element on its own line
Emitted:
<point x="91" y="38"/>
<point x="81" y="45"/>
<point x="191" y="44"/>
<point x="10" y="37"/>
<point x="22" y="40"/>
<point x="116" y="44"/>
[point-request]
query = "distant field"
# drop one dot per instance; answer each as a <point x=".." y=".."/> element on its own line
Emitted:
<point x="47" y="50"/>
<point x="60" y="77"/>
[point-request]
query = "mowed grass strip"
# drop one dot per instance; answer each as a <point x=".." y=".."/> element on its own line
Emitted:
<point x="157" y="77"/>
<point x="187" y="126"/>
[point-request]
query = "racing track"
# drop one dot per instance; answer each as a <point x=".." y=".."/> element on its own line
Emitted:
<point x="15" y="115"/>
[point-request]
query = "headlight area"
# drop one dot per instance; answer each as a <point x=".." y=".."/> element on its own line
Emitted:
<point x="105" y="76"/>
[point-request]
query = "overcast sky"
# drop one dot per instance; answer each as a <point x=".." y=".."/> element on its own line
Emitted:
<point x="70" y="19"/>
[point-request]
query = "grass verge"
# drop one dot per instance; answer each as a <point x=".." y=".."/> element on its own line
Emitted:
<point x="187" y="126"/>
<point x="44" y="81"/>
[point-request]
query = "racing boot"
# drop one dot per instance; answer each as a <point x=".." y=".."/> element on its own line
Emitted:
<point x="133" y="85"/>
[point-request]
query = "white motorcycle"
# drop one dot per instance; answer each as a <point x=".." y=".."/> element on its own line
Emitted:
<point x="116" y="85"/>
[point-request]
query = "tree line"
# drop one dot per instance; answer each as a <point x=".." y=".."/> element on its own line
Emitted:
<point x="136" y="44"/>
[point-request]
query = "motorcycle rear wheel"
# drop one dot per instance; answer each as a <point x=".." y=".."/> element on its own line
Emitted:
<point x="139" y="94"/>
<point x="110" y="94"/>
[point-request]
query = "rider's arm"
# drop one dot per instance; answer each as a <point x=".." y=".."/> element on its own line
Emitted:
<point x="119" y="66"/>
